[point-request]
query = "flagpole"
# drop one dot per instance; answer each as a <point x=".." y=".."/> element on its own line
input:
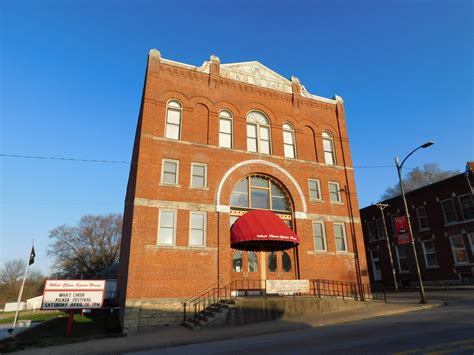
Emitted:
<point x="21" y="289"/>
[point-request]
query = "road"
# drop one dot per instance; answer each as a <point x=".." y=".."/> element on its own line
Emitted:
<point x="441" y="330"/>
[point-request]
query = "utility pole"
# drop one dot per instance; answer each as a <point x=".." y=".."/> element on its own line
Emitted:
<point x="381" y="207"/>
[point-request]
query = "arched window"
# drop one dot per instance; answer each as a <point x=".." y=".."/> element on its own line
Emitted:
<point x="252" y="262"/>
<point x="225" y="129"/>
<point x="289" y="141"/>
<point x="285" y="262"/>
<point x="237" y="261"/>
<point x="259" y="192"/>
<point x="328" y="146"/>
<point x="258" y="133"/>
<point x="173" y="119"/>
<point x="272" y="261"/>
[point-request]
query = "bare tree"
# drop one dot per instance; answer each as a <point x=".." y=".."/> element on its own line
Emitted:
<point x="416" y="178"/>
<point x="88" y="248"/>
<point x="11" y="275"/>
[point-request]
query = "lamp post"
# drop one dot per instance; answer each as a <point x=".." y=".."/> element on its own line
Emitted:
<point x="402" y="190"/>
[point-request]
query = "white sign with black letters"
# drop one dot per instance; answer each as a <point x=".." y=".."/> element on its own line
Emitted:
<point x="287" y="286"/>
<point x="73" y="294"/>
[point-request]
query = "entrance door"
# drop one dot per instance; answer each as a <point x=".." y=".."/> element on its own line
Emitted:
<point x="376" y="271"/>
<point x="280" y="265"/>
<point x="246" y="272"/>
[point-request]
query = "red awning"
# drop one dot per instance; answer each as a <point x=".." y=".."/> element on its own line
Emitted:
<point x="261" y="230"/>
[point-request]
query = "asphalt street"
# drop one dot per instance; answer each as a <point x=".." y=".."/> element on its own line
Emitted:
<point x="441" y="330"/>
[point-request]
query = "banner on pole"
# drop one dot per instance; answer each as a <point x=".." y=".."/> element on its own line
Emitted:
<point x="73" y="294"/>
<point x="401" y="230"/>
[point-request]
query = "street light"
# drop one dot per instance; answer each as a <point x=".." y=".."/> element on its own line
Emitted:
<point x="399" y="168"/>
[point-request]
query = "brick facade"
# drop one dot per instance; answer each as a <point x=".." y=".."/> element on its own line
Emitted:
<point x="153" y="273"/>
<point x="442" y="218"/>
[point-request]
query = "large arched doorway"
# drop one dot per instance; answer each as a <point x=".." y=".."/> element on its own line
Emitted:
<point x="262" y="192"/>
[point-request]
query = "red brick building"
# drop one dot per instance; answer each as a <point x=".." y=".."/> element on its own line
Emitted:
<point x="212" y="143"/>
<point x="442" y="218"/>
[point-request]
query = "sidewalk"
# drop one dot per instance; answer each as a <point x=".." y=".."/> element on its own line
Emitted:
<point x="176" y="335"/>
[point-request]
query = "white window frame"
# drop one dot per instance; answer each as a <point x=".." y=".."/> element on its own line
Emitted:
<point x="339" y="201"/>
<point x="175" y="212"/>
<point x="174" y="108"/>
<point x="456" y="262"/>
<point x="163" y="161"/>
<point x="444" y="213"/>
<point x="288" y="128"/>
<point x="318" y="190"/>
<point x="193" y="164"/>
<point x="226" y="115"/>
<point x="405" y="257"/>
<point x="425" y="253"/>
<point x="371" y="236"/>
<point x="343" y="234"/>
<point x="462" y="209"/>
<point x="323" y="230"/>
<point x="327" y="136"/>
<point x="204" y="230"/>
<point x="419" y="218"/>
<point x="379" y="227"/>
<point x="258" y="126"/>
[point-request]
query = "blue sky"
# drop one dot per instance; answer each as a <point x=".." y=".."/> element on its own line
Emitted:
<point x="72" y="74"/>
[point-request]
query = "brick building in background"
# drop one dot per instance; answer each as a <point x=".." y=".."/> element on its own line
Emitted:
<point x="442" y="217"/>
<point x="212" y="143"/>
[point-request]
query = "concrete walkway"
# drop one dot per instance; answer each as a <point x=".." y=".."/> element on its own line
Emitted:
<point x="176" y="335"/>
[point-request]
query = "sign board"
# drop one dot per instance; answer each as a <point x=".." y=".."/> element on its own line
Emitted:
<point x="73" y="294"/>
<point x="287" y="286"/>
<point x="401" y="230"/>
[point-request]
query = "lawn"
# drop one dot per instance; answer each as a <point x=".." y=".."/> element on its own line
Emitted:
<point x="37" y="316"/>
<point x="53" y="332"/>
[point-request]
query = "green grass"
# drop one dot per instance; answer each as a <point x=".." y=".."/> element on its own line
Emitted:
<point x="53" y="332"/>
<point x="39" y="316"/>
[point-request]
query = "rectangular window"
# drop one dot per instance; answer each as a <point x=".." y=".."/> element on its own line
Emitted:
<point x="167" y="227"/>
<point x="319" y="236"/>
<point x="251" y="137"/>
<point x="198" y="175"/>
<point x="380" y="228"/>
<point x="371" y="230"/>
<point x="314" y="189"/>
<point x="225" y="132"/>
<point x="422" y="218"/>
<point x="340" y="235"/>
<point x="334" y="192"/>
<point x="402" y="257"/>
<point x="173" y="123"/>
<point x="197" y="229"/>
<point x="288" y="144"/>
<point x="169" y="172"/>
<point x="264" y="141"/>
<point x="459" y="250"/>
<point x="449" y="211"/>
<point x="430" y="255"/>
<point x="467" y="206"/>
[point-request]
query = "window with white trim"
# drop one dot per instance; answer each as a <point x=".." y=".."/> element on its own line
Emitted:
<point x="370" y="225"/>
<point x="334" y="192"/>
<point x="422" y="218"/>
<point x="289" y="141"/>
<point x="225" y="129"/>
<point x="314" y="189"/>
<point x="430" y="254"/>
<point x="197" y="229"/>
<point x="174" y="111"/>
<point x="328" y="147"/>
<point x="167" y="227"/>
<point x="340" y="236"/>
<point x="258" y="133"/>
<point x="402" y="258"/>
<point x="449" y="212"/>
<point x="198" y="175"/>
<point x="467" y="206"/>
<point x="459" y="249"/>
<point x="169" y="172"/>
<point x="319" y="236"/>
